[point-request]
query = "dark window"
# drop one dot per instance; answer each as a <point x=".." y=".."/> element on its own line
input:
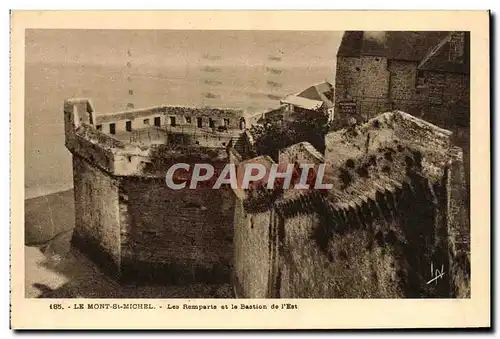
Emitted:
<point x="128" y="126"/>
<point x="146" y="121"/>
<point x="99" y="127"/>
<point x="172" y="121"/>
<point x="112" y="128"/>
<point x="157" y="121"/>
<point x="199" y="122"/>
<point x="188" y="120"/>
<point x="226" y="122"/>
<point x="242" y="124"/>
<point x="420" y="81"/>
<point x="211" y="123"/>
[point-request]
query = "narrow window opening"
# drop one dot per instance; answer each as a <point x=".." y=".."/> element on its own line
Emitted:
<point x="242" y="124"/>
<point x="420" y="81"/>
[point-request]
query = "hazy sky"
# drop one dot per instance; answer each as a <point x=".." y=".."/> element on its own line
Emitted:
<point x="182" y="48"/>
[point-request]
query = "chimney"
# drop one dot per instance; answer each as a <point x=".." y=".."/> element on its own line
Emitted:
<point x="457" y="47"/>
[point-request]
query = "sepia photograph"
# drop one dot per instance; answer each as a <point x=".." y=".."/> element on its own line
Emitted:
<point x="386" y="112"/>
<point x="246" y="164"/>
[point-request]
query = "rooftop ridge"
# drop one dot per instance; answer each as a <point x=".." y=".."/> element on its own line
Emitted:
<point x="432" y="51"/>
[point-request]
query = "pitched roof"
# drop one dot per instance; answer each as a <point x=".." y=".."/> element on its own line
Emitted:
<point x="407" y="45"/>
<point x="438" y="59"/>
<point x="305" y="103"/>
<point x="319" y="92"/>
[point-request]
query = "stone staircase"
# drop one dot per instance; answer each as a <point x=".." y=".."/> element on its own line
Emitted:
<point x="239" y="144"/>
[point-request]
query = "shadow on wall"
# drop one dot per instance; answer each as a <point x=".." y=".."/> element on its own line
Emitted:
<point x="383" y="248"/>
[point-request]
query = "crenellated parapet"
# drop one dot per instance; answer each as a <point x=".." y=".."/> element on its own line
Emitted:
<point x="127" y="220"/>
<point x="120" y="153"/>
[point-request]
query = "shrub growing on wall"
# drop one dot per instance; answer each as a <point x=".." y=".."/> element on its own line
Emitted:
<point x="273" y="136"/>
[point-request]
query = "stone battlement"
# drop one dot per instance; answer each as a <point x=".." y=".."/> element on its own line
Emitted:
<point x="213" y="127"/>
<point x="135" y="152"/>
<point x="126" y="218"/>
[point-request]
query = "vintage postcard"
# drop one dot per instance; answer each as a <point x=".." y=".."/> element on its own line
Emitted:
<point x="250" y="170"/>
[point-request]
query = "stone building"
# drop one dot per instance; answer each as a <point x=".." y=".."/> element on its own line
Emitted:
<point x="127" y="220"/>
<point x="396" y="211"/>
<point x="316" y="99"/>
<point x="423" y="73"/>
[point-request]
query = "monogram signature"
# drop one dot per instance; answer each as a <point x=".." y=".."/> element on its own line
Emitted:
<point x="436" y="274"/>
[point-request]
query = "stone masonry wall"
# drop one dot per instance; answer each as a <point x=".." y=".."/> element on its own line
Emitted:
<point x="378" y="250"/>
<point x="353" y="267"/>
<point x="403" y="80"/>
<point x="128" y="221"/>
<point x="448" y="99"/>
<point x="458" y="227"/>
<point x="378" y="86"/>
<point x="252" y="260"/>
<point x="347" y="78"/>
<point x="207" y="139"/>
<point x="404" y="94"/>
<point x="175" y="236"/>
<point x="140" y="116"/>
<point x="377" y="235"/>
<point x="374" y="77"/>
<point x="97" y="231"/>
<point x="364" y="80"/>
